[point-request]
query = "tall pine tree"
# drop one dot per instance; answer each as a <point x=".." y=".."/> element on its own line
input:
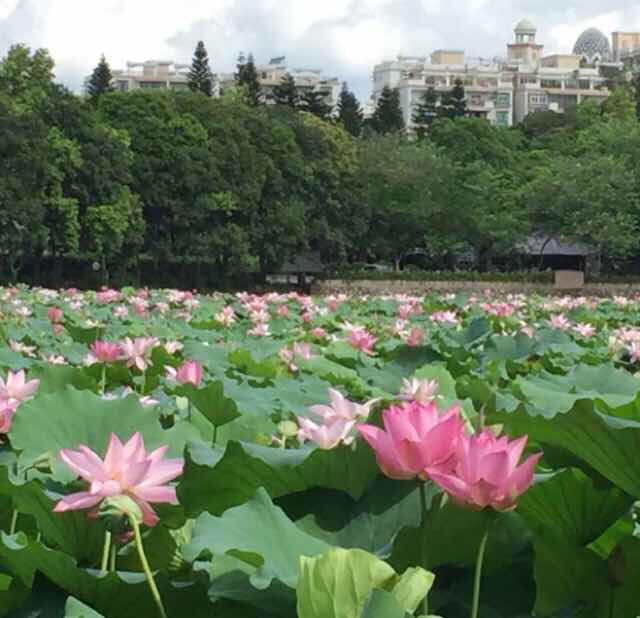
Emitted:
<point x="100" y="80"/>
<point x="200" y="77"/>
<point x="286" y="92"/>
<point x="454" y="102"/>
<point x="425" y="112"/>
<point x="247" y="76"/>
<point x="387" y="118"/>
<point x="313" y="101"/>
<point x="350" y="114"/>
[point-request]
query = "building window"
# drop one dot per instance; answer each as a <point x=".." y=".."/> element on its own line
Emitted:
<point x="502" y="118"/>
<point x="503" y="100"/>
<point x="550" y="83"/>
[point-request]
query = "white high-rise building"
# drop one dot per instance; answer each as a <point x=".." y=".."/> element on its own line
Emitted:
<point x="505" y="90"/>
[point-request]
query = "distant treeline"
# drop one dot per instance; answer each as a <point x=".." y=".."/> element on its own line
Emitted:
<point x="184" y="179"/>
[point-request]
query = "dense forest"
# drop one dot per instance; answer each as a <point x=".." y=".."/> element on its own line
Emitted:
<point x="179" y="177"/>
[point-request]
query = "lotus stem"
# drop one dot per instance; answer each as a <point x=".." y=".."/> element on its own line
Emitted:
<point x="14" y="521"/>
<point x="423" y="539"/>
<point x="215" y="435"/>
<point x="145" y="566"/>
<point x="103" y="381"/>
<point x="105" y="552"/>
<point x="112" y="558"/>
<point x="478" y="574"/>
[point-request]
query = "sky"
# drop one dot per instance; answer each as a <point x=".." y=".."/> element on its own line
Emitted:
<point x="344" y="38"/>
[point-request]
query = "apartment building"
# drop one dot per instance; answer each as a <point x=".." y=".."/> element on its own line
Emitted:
<point x="505" y="90"/>
<point x="151" y="74"/>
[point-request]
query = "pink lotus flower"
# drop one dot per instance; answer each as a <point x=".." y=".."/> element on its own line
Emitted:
<point x="405" y="310"/>
<point x="138" y="351"/>
<point x="417" y="439"/>
<point x="586" y="330"/>
<point x="127" y="470"/>
<point x="446" y="317"/>
<point x="318" y="332"/>
<point x="282" y="310"/>
<point x="415" y="337"/>
<point x="15" y="390"/>
<point x="226" y="316"/>
<point x="486" y="472"/>
<point x="7" y="410"/>
<point x="422" y="391"/>
<point x="559" y="321"/>
<point x="190" y="372"/>
<point x="55" y="314"/>
<point x="362" y="340"/>
<point x="342" y="408"/>
<point x="326" y="435"/>
<point x="105" y="351"/>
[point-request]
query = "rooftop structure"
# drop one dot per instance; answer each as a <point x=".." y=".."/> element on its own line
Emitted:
<point x="157" y="74"/>
<point x="593" y="47"/>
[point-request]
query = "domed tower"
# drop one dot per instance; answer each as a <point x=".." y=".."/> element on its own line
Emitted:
<point x="593" y="47"/>
<point x="525" y="50"/>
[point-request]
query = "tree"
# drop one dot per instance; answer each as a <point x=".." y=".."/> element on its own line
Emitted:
<point x="454" y="102"/>
<point x="100" y="81"/>
<point x="350" y="114"/>
<point x="247" y="77"/>
<point x="636" y="92"/>
<point x="592" y="199"/>
<point x="620" y="104"/>
<point x="200" y="78"/>
<point x="313" y="101"/>
<point x="25" y="77"/>
<point x="539" y="123"/>
<point x="425" y="112"/>
<point x="387" y="117"/>
<point x="286" y="92"/>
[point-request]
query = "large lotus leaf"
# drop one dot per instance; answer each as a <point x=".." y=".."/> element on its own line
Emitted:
<point x="503" y="348"/>
<point x="568" y="504"/>
<point x="13" y="360"/>
<point x="555" y="394"/>
<point x="69" y="418"/>
<point x="83" y="335"/>
<point x="77" y="609"/>
<point x="230" y="579"/>
<point x="327" y="369"/>
<point x="54" y="378"/>
<point x="608" y="444"/>
<point x="72" y="532"/>
<point x="259" y="533"/>
<point x="452" y="535"/>
<point x="557" y="341"/>
<point x="211" y="401"/>
<point x="244" y="360"/>
<point x="12" y="593"/>
<point x="478" y="329"/>
<point x="214" y="480"/>
<point x="338" y="583"/>
<point x="212" y="357"/>
<point x="113" y="594"/>
<point x="370" y="523"/>
<point x="382" y="604"/>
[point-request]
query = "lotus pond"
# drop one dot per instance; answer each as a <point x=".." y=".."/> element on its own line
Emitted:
<point x="166" y="453"/>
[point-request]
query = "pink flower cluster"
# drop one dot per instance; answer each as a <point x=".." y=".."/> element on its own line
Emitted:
<point x="479" y="470"/>
<point x="14" y="390"/>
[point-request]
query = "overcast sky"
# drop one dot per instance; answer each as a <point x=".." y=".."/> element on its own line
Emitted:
<point x="345" y="38"/>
